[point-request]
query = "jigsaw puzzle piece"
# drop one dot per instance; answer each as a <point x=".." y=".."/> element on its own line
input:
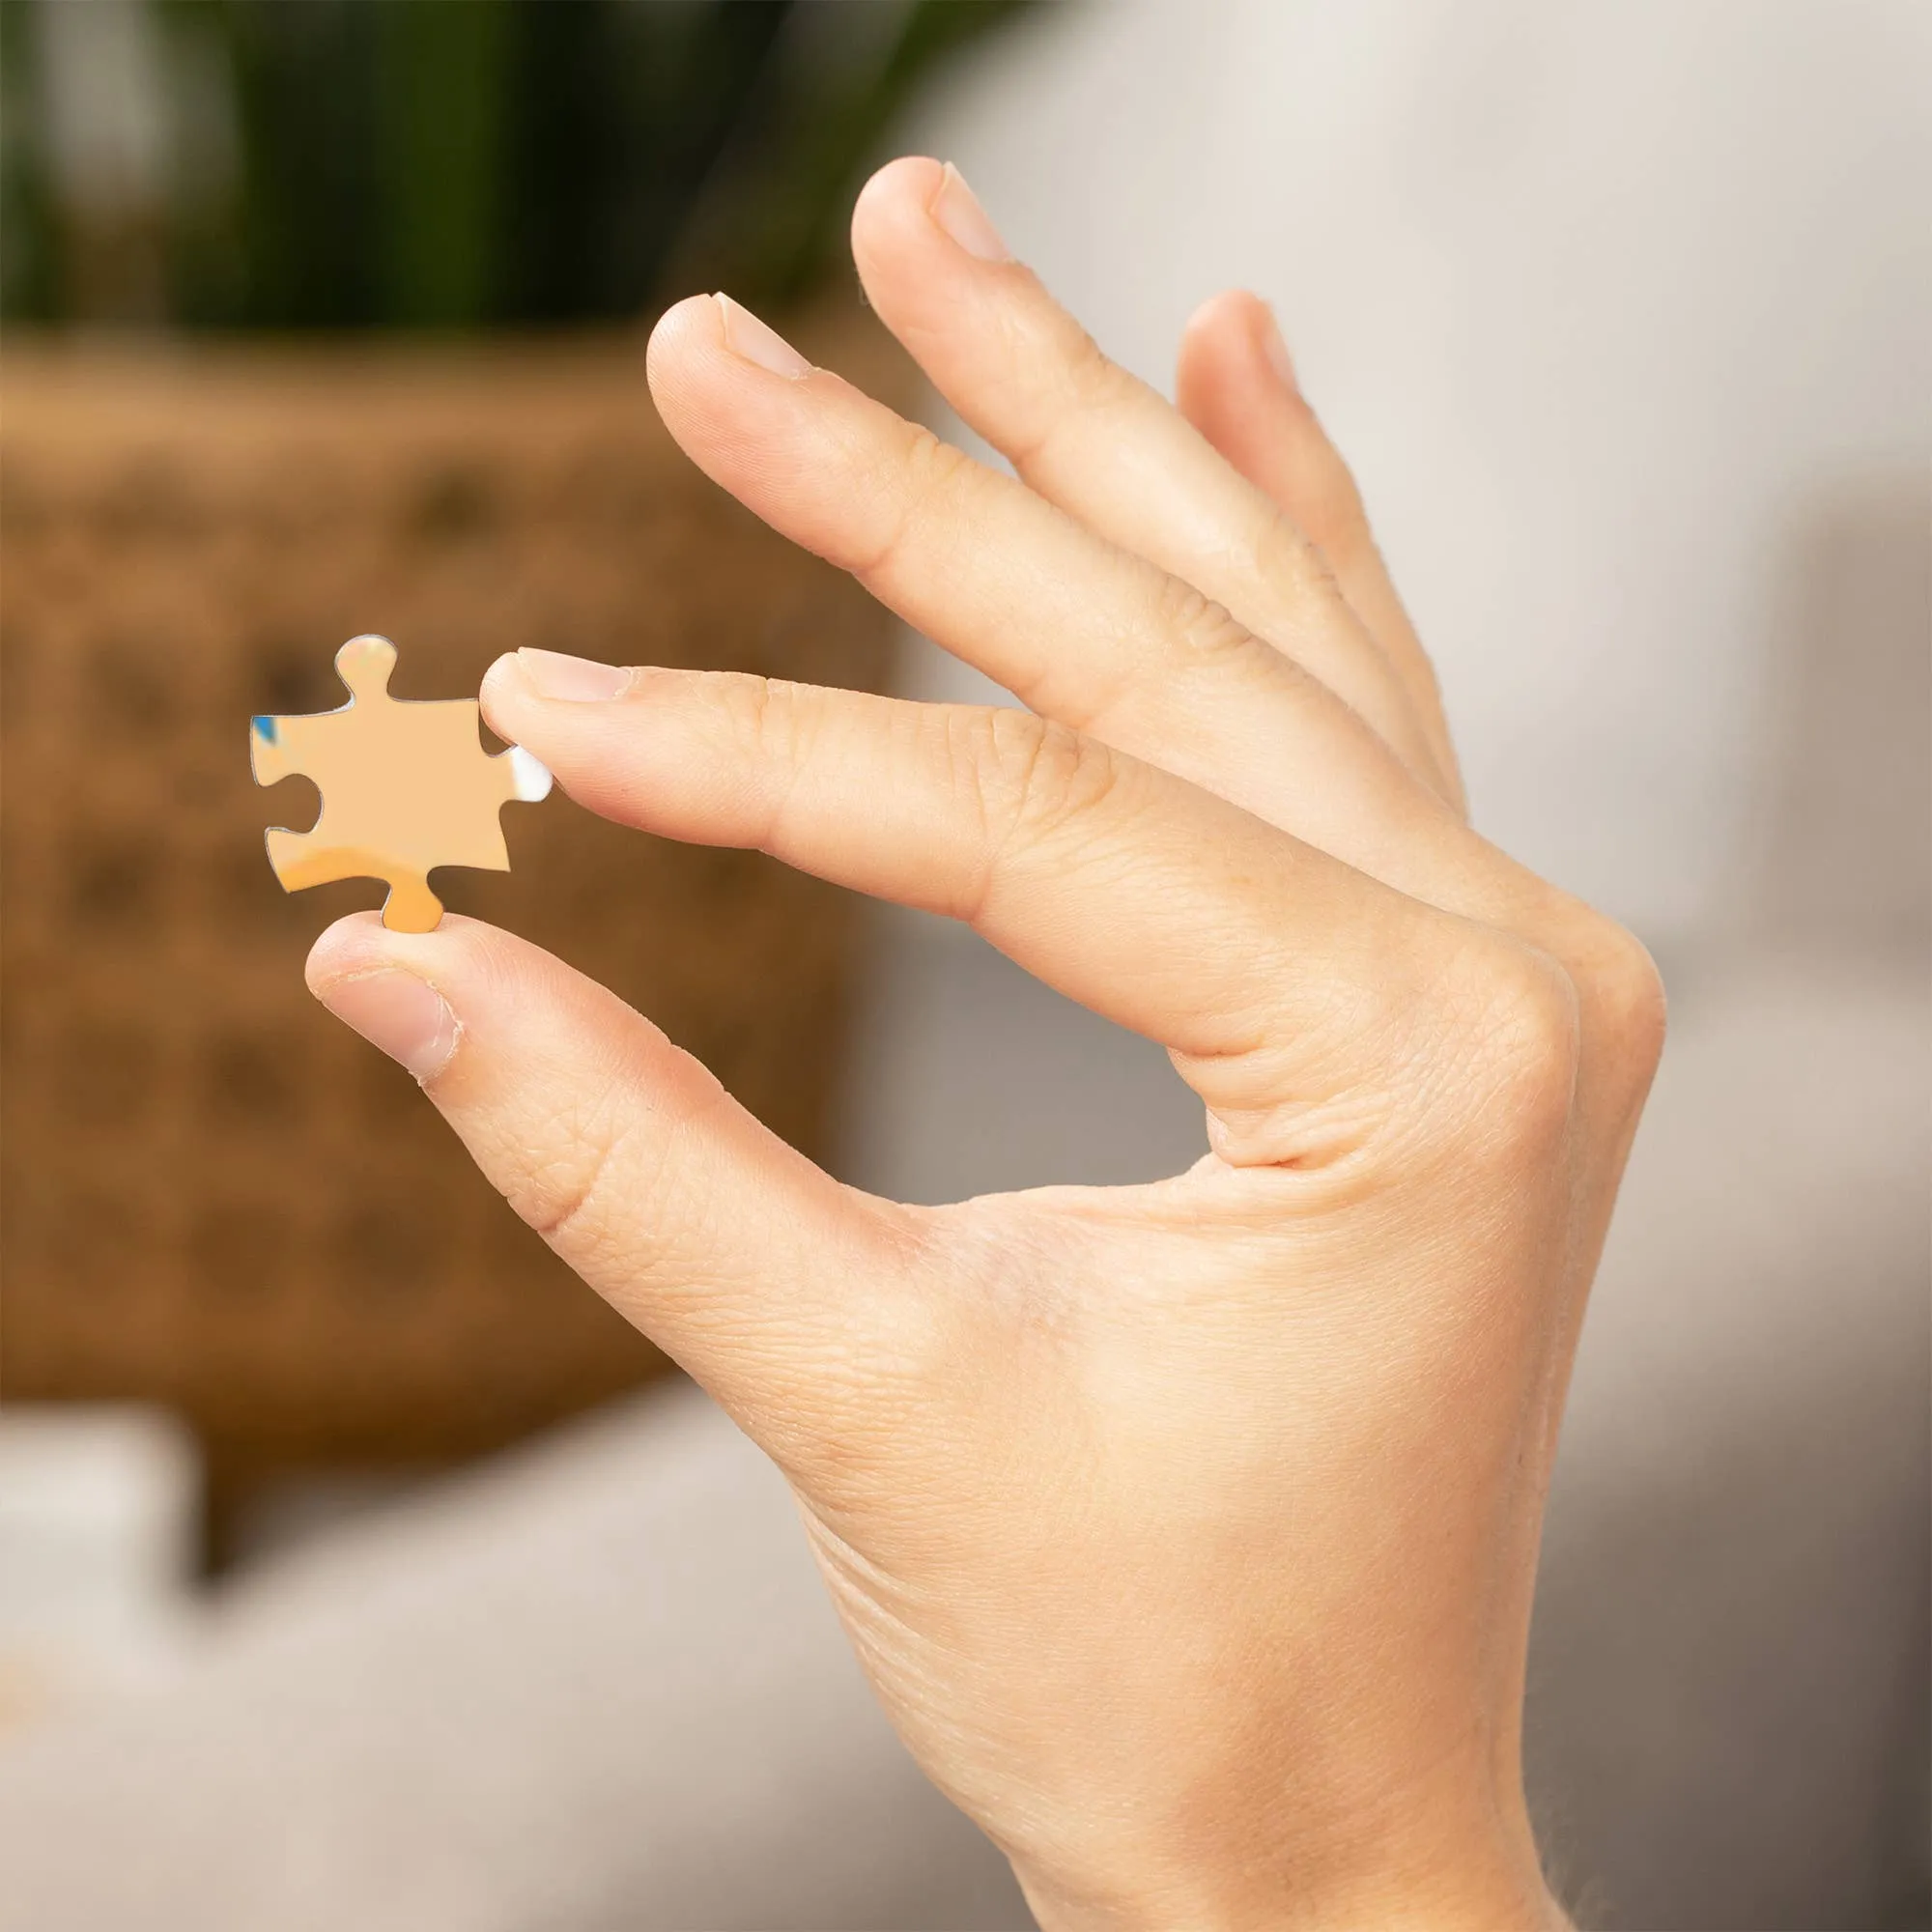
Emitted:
<point x="299" y="861"/>
<point x="406" y="787"/>
<point x="268" y="756"/>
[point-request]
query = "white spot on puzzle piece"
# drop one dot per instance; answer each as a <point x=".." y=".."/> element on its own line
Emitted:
<point x="532" y="775"/>
<point x="406" y="787"/>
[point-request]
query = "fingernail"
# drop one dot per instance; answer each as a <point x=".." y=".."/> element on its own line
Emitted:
<point x="1276" y="350"/>
<point x="957" y="209"/>
<point x="758" y="342"/>
<point x="407" y="1017"/>
<point x="558" y="674"/>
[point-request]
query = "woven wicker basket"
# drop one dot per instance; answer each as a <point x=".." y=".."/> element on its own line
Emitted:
<point x="215" y="1196"/>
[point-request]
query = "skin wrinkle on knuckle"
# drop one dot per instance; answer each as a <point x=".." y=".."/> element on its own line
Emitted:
<point x="1328" y="1138"/>
<point x="554" y="1162"/>
<point x="1095" y="380"/>
<point x="1061" y="778"/>
<point x="1302" y="571"/>
<point x="1316" y="618"/>
<point x="1480" y="1059"/>
<point x="720" y="713"/>
<point x="1275" y="1106"/>
<point x="1024" y="778"/>
<point x="1208" y="637"/>
<point x="559" y="1172"/>
<point x="988" y="754"/>
<point x="1214" y="651"/>
<point x="776" y="724"/>
<point x="1075" y="390"/>
<point x="585" y="1224"/>
<point x="908" y="484"/>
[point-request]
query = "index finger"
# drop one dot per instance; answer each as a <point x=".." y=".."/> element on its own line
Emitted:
<point x="1279" y="977"/>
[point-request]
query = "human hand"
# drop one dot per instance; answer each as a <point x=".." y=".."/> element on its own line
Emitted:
<point x="1187" y="1531"/>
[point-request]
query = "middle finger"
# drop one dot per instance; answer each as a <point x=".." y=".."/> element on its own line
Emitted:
<point x="1105" y="447"/>
<point x="1083" y="633"/>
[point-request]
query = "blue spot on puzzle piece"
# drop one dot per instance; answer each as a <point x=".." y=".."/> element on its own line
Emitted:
<point x="263" y="729"/>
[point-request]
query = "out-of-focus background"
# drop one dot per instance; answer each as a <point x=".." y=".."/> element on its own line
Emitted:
<point x="355" y="1565"/>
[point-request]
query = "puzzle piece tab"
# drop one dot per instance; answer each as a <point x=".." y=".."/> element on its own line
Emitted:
<point x="405" y="786"/>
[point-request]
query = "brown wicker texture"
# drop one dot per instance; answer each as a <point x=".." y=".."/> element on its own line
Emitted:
<point x="215" y="1196"/>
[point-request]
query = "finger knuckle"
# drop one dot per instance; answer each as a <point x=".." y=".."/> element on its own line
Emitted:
<point x="1030" y="776"/>
<point x="769" y="727"/>
<point x="1074" y="387"/>
<point x="1095" y="380"/>
<point x="746" y="709"/>
<point x="1625" y="1009"/>
<point x="581" y="1165"/>
<point x="931" y="465"/>
<point x="1207" y="634"/>
<point x="1520" y="1029"/>
<point x="559" y="1178"/>
<point x="922" y="476"/>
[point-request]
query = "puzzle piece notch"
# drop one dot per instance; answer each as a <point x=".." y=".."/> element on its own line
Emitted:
<point x="406" y="787"/>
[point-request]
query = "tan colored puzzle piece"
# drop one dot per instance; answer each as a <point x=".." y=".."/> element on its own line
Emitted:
<point x="405" y="786"/>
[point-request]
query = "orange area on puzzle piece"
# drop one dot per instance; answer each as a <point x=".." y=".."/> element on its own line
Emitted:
<point x="410" y="907"/>
<point x="406" y="785"/>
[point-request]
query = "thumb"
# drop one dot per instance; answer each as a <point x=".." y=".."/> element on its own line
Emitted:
<point x="742" y="1260"/>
